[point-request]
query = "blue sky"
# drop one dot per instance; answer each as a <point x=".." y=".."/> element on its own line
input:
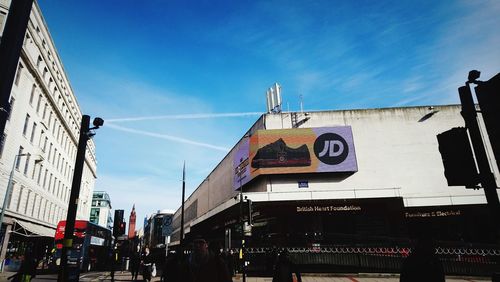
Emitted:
<point x="186" y="63"/>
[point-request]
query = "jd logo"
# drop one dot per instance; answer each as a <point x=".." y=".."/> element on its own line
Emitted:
<point x="331" y="148"/>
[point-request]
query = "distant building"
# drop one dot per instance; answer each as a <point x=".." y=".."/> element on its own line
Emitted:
<point x="131" y="224"/>
<point x="43" y="127"/>
<point x="157" y="227"/>
<point x="100" y="213"/>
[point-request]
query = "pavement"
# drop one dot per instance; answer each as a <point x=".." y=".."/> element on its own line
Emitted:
<point x="125" y="276"/>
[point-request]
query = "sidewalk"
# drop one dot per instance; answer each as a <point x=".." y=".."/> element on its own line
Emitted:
<point x="372" y="277"/>
<point x="125" y="276"/>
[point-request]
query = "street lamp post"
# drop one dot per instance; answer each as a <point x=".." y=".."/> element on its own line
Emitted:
<point x="4" y="206"/>
<point x="86" y="133"/>
<point x="242" y="222"/>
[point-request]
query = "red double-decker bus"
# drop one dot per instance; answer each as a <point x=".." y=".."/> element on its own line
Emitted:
<point x="91" y="245"/>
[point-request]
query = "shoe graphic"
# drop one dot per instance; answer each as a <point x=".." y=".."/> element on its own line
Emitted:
<point x="278" y="154"/>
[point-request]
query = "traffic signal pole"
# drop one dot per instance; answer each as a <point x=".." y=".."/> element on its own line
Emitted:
<point x="63" y="275"/>
<point x="10" y="50"/>
<point x="486" y="176"/>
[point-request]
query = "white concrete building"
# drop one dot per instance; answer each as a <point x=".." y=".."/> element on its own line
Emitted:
<point x="44" y="124"/>
<point x="392" y="176"/>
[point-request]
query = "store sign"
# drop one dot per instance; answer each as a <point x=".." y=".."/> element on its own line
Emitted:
<point x="342" y="208"/>
<point x="298" y="150"/>
<point x="96" y="241"/>
<point x="426" y="214"/>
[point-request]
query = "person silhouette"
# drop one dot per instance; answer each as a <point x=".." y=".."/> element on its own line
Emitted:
<point x="422" y="264"/>
<point x="285" y="268"/>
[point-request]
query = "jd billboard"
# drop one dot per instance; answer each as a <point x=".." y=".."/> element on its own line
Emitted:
<point x="289" y="151"/>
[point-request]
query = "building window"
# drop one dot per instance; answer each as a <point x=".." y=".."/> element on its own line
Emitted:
<point x="45" y="143"/>
<point x="26" y="122"/>
<point x="45" y="111"/>
<point x="39" y="206"/>
<point x="50" y="119"/>
<point x="10" y="195"/>
<point x="39" y="103"/>
<point x="39" y="175"/>
<point x="26" y="164"/>
<point x="33" y="131"/>
<point x="32" y="96"/>
<point x="45" y="178"/>
<point x="18" y="162"/>
<point x="19" y="198"/>
<point x="50" y="151"/>
<point x="11" y="107"/>
<point x="2" y="144"/>
<point x="50" y="182"/>
<point x="27" y="202"/>
<point x="33" y="206"/>
<point x="18" y="74"/>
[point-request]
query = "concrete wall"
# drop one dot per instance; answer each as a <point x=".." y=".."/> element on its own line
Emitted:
<point x="397" y="154"/>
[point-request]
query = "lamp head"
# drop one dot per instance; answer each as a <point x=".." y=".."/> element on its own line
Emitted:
<point x="98" y="122"/>
<point x="473" y="76"/>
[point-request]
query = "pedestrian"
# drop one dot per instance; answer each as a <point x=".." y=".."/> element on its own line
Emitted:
<point x="147" y="265"/>
<point x="422" y="264"/>
<point x="135" y="263"/>
<point x="112" y="263"/>
<point x="285" y="268"/>
<point x="27" y="271"/>
<point x="206" y="266"/>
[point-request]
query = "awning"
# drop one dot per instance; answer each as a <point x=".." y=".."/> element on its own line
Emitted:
<point x="29" y="229"/>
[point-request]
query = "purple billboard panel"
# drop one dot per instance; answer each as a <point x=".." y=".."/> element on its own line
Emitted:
<point x="241" y="173"/>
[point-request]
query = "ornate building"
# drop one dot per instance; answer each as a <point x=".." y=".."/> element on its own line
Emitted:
<point x="40" y="141"/>
<point x="131" y="223"/>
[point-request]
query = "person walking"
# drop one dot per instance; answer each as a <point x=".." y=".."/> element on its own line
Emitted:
<point x="285" y="268"/>
<point x="422" y="264"/>
<point x="147" y="265"/>
<point x="112" y="262"/>
<point x="27" y="271"/>
<point x="206" y="266"/>
<point x="135" y="263"/>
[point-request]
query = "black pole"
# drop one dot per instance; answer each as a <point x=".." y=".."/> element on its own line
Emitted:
<point x="73" y="201"/>
<point x="10" y="50"/>
<point x="182" y="206"/>
<point x="486" y="176"/>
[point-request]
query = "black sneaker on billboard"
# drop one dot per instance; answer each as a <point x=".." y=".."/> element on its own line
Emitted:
<point x="278" y="154"/>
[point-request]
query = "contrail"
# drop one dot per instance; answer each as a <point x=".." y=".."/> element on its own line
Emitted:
<point x="167" y="137"/>
<point x="186" y="116"/>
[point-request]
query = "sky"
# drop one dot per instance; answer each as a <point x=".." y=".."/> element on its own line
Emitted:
<point x="182" y="81"/>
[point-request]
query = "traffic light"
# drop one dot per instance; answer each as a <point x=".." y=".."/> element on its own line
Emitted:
<point x="122" y="228"/>
<point x="459" y="165"/>
<point x="488" y="97"/>
<point x="118" y="220"/>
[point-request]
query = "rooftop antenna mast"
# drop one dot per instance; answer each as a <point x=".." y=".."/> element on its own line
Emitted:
<point x="273" y="98"/>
